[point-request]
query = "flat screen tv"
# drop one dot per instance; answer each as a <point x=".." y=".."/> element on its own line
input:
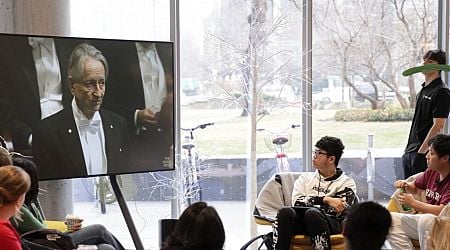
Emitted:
<point x="88" y="107"/>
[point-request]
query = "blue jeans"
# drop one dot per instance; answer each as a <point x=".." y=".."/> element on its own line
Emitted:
<point x="96" y="235"/>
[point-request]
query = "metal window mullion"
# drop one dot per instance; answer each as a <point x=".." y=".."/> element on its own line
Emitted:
<point x="307" y="85"/>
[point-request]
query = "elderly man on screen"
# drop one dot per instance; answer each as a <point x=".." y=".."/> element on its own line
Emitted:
<point x="82" y="139"/>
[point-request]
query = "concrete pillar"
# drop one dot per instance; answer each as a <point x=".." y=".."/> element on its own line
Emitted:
<point x="56" y="198"/>
<point x="43" y="17"/>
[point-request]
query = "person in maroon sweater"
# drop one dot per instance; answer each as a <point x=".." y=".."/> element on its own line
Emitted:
<point x="435" y="181"/>
<point x="14" y="183"/>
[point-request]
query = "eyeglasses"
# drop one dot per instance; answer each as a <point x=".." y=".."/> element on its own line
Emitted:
<point x="317" y="153"/>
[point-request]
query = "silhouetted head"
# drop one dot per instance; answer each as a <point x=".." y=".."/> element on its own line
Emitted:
<point x="367" y="226"/>
<point x="199" y="227"/>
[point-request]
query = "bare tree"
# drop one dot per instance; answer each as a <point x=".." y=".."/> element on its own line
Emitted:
<point x="376" y="41"/>
<point x="256" y="60"/>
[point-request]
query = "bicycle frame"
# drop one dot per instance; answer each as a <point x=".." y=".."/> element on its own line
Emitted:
<point x="189" y="173"/>
<point x="279" y="140"/>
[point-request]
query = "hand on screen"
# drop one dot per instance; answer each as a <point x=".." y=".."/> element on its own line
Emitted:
<point x="147" y="117"/>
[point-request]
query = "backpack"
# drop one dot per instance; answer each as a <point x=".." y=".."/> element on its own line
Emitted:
<point x="46" y="239"/>
<point x="267" y="241"/>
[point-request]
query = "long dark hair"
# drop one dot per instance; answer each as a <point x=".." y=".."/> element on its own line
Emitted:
<point x="30" y="168"/>
<point x="199" y="227"/>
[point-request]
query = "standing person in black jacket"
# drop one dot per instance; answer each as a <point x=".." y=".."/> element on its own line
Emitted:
<point x="430" y="116"/>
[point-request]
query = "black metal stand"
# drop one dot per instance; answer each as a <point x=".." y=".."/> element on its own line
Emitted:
<point x="126" y="214"/>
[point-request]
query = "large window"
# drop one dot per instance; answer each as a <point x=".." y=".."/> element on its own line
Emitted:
<point x="240" y="68"/>
<point x="233" y="52"/>
<point x="360" y="49"/>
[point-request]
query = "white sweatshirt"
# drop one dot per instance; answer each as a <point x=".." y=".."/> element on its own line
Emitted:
<point x="311" y="187"/>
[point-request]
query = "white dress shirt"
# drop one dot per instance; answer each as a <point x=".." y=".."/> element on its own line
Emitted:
<point x="48" y="75"/>
<point x="153" y="77"/>
<point x="92" y="140"/>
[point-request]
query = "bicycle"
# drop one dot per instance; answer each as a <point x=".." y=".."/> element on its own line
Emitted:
<point x="189" y="173"/>
<point x="103" y="191"/>
<point x="278" y="141"/>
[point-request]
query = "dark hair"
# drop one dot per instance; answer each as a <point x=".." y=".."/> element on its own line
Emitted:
<point x="441" y="144"/>
<point x="367" y="226"/>
<point x="30" y="168"/>
<point x="199" y="227"/>
<point x="333" y="146"/>
<point x="437" y="55"/>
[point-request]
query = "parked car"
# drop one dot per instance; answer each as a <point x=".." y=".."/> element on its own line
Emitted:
<point x="190" y="86"/>
<point x="369" y="90"/>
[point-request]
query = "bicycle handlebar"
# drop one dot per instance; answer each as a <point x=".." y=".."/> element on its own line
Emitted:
<point x="201" y="126"/>
<point x="293" y="126"/>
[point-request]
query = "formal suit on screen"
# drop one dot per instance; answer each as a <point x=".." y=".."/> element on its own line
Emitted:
<point x="19" y="96"/>
<point x="57" y="147"/>
<point x="125" y="96"/>
<point x="82" y="139"/>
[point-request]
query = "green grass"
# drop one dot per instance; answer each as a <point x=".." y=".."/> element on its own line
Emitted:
<point x="229" y="135"/>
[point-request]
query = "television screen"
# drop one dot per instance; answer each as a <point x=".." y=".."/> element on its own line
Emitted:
<point x="88" y="107"/>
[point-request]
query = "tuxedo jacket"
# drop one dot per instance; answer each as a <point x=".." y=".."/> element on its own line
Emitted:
<point x="19" y="91"/>
<point x="124" y="87"/>
<point x="57" y="147"/>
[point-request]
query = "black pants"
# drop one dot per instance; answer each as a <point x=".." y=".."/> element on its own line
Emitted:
<point x="315" y="223"/>
<point x="413" y="163"/>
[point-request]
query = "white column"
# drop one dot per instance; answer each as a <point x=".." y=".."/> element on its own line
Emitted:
<point x="43" y="17"/>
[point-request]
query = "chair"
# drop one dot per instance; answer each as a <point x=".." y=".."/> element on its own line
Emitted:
<point x="394" y="206"/>
<point x="277" y="193"/>
<point x="58" y="225"/>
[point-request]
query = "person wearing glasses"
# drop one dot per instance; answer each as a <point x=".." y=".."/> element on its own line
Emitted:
<point x="320" y="199"/>
<point x="430" y="116"/>
<point x="82" y="139"/>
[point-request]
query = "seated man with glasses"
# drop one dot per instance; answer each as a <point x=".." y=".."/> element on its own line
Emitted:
<point x="320" y="199"/>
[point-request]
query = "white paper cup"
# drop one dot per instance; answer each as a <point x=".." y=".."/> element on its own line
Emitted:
<point x="71" y="221"/>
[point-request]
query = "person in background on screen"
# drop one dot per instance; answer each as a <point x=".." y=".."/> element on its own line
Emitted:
<point x="14" y="183"/>
<point x="141" y="90"/>
<point x="430" y="116"/>
<point x="199" y="227"/>
<point x="33" y="219"/>
<point x="366" y="226"/>
<point x="82" y="139"/>
<point x="33" y="71"/>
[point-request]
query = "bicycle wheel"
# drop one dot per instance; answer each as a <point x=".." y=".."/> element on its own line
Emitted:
<point x="105" y="194"/>
<point x="101" y="195"/>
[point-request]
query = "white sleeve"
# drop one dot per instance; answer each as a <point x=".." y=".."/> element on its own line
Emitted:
<point x="299" y="188"/>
